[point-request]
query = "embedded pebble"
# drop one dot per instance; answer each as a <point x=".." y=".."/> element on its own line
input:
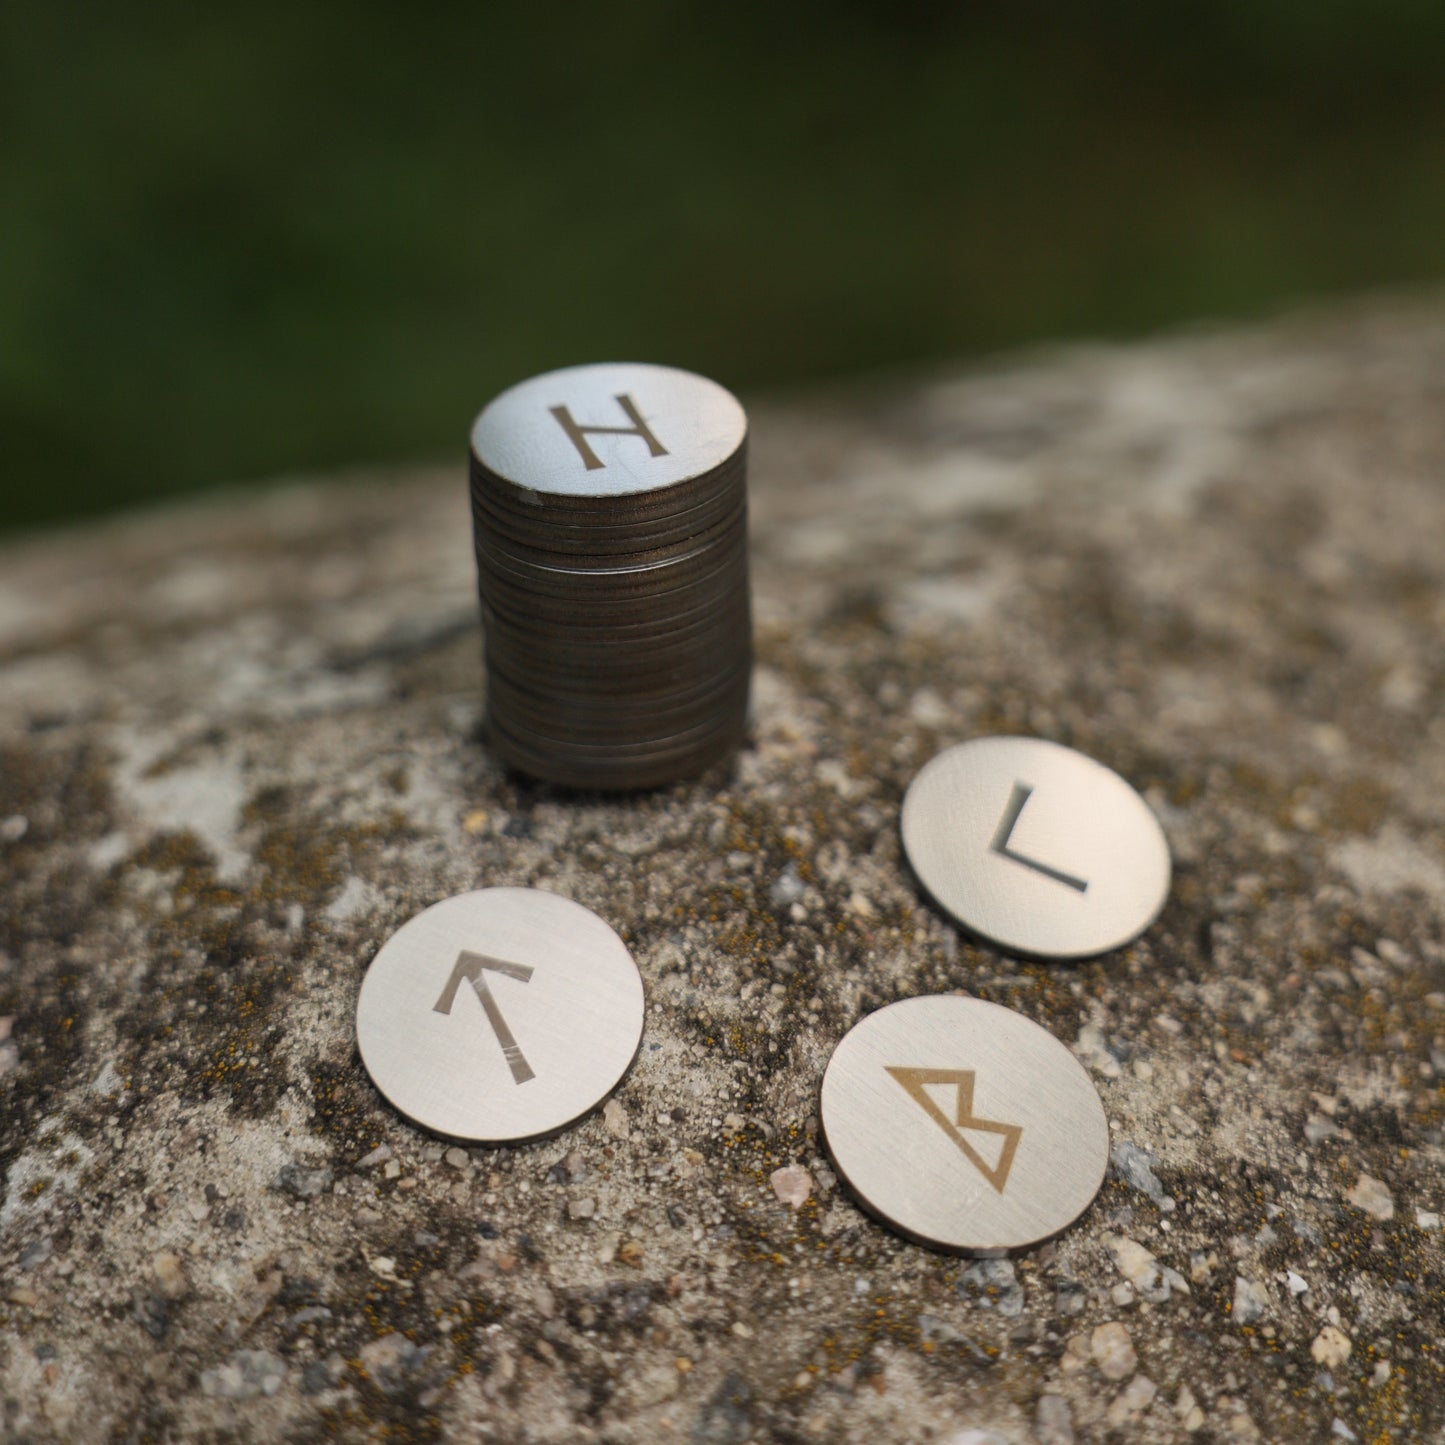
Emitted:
<point x="1094" y="1053"/>
<point x="1113" y="1351"/>
<point x="1250" y="1301"/>
<point x="379" y="1155"/>
<point x="1153" y="1281"/>
<point x="245" y="1375"/>
<point x="1331" y="1347"/>
<point x="787" y="888"/>
<point x="1132" y="1400"/>
<point x="1136" y="1168"/>
<point x="994" y="1283"/>
<point x="457" y="1158"/>
<point x="1298" y="1285"/>
<point x="1053" y="1421"/>
<point x="1318" y="1129"/>
<point x="581" y="1208"/>
<point x="1373" y="1197"/>
<point x="792" y="1184"/>
<point x="36" y="1253"/>
<point x="303" y="1183"/>
<point x="170" y="1273"/>
<point x="389" y="1359"/>
<point x="1426" y="1219"/>
<point x="614" y="1119"/>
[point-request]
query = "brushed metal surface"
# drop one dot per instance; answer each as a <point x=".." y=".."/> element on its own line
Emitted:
<point x="1035" y="847"/>
<point x="963" y="1124"/>
<point x="697" y="424"/>
<point x="500" y="1015"/>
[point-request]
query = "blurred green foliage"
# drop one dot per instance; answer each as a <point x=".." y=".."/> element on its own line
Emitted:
<point x="237" y="241"/>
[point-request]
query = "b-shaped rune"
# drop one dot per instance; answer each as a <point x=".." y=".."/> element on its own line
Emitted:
<point x="1022" y="792"/>
<point x="470" y="966"/>
<point x="916" y="1082"/>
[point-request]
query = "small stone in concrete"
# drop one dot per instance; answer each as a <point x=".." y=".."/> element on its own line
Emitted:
<point x="1070" y="1297"/>
<point x="1054" y="1421"/>
<point x="303" y="1183"/>
<point x="1250" y="1301"/>
<point x="995" y="1284"/>
<point x="457" y="1158"/>
<point x="1152" y="1280"/>
<point x="792" y="1184"/>
<point x="1113" y="1351"/>
<point x="150" y="1312"/>
<point x="614" y="1119"/>
<point x="934" y="1331"/>
<point x="36" y="1253"/>
<point x="1373" y="1197"/>
<point x="1331" y="1347"/>
<point x="1094" y="1053"/>
<point x="581" y="1208"/>
<point x="170" y="1273"/>
<point x="1136" y="1168"/>
<point x="379" y="1155"/>
<point x="1132" y="1400"/>
<point x="788" y="888"/>
<point x="389" y="1360"/>
<point x="1426" y="1219"/>
<point x="245" y="1375"/>
<point x="1298" y="1285"/>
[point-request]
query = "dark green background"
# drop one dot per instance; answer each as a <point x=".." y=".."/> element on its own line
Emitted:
<point x="250" y="240"/>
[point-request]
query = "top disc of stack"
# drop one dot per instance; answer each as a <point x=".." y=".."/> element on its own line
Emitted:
<point x="609" y="511"/>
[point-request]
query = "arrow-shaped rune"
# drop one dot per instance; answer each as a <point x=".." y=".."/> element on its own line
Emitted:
<point x="470" y="966"/>
<point x="1020" y="795"/>
<point x="915" y="1081"/>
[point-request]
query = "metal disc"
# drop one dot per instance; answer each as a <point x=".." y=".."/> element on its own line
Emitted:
<point x="500" y="1015"/>
<point x="1036" y="847"/>
<point x="963" y="1124"/>
<point x="609" y="430"/>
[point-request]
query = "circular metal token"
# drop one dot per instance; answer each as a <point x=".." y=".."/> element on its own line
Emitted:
<point x="1035" y="847"/>
<point x="637" y="428"/>
<point x="500" y="1015"/>
<point x="964" y="1125"/>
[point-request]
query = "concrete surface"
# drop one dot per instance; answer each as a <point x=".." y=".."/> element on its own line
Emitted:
<point x="239" y="744"/>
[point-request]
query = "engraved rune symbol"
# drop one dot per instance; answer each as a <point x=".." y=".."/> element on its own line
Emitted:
<point x="577" y="432"/>
<point x="916" y="1082"/>
<point x="1021" y="794"/>
<point x="469" y="966"/>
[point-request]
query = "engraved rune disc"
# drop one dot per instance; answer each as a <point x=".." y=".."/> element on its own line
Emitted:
<point x="963" y="1124"/>
<point x="611" y="429"/>
<point x="1036" y="847"/>
<point x="500" y="1015"/>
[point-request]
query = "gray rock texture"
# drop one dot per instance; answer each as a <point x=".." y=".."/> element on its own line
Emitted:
<point x="240" y="744"/>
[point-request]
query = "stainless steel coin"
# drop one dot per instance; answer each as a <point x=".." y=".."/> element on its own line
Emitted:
<point x="964" y="1125"/>
<point x="633" y="427"/>
<point x="1036" y="847"/>
<point x="500" y="1015"/>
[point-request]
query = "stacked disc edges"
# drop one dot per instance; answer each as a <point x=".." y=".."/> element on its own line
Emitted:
<point x="609" y="509"/>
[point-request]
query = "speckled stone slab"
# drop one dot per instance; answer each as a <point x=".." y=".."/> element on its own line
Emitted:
<point x="239" y="746"/>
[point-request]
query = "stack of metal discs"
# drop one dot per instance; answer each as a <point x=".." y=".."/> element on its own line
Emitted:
<point x="609" y="510"/>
